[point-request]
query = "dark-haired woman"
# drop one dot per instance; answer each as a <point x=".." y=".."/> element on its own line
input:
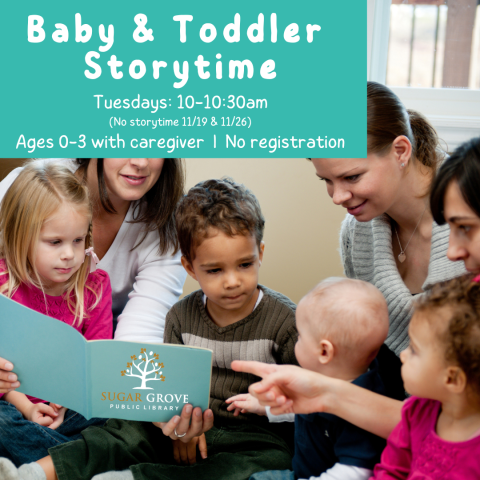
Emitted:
<point x="389" y="237"/>
<point x="134" y="238"/>
<point x="455" y="200"/>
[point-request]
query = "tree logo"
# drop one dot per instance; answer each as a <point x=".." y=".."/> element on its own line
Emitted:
<point x="145" y="372"/>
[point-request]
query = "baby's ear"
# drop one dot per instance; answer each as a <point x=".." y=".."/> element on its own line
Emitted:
<point x="327" y="352"/>
<point x="188" y="267"/>
<point x="455" y="379"/>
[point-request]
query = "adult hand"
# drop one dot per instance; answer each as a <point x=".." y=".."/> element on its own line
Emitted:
<point x="181" y="424"/>
<point x="244" y="403"/>
<point x="290" y="389"/>
<point x="41" y="413"/>
<point x="287" y="388"/>
<point x="186" y="453"/>
<point x="8" y="380"/>
<point x="60" y="411"/>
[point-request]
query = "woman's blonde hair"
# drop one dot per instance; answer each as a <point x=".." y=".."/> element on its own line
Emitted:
<point x="35" y="195"/>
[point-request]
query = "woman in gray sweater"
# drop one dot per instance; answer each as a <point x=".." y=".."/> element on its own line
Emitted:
<point x="389" y="237"/>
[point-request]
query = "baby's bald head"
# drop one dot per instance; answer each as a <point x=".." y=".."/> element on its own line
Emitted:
<point x="351" y="314"/>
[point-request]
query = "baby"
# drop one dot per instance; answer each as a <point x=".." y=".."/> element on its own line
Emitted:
<point x="341" y="325"/>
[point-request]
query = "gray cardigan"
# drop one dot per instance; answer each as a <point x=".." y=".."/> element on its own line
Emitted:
<point x="366" y="251"/>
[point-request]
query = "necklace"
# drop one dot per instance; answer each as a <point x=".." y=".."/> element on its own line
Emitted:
<point x="402" y="255"/>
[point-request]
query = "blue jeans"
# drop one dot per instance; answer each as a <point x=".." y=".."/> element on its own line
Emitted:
<point x="273" y="475"/>
<point x="23" y="441"/>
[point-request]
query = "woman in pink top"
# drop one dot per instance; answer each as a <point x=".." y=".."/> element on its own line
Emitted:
<point x="45" y="234"/>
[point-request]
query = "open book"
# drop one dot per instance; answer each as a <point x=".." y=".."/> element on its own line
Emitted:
<point x="101" y="378"/>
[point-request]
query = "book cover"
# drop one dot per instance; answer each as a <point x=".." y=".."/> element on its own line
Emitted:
<point x="101" y="378"/>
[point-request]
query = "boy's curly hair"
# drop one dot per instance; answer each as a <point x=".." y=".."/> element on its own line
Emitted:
<point x="221" y="204"/>
<point x="460" y="298"/>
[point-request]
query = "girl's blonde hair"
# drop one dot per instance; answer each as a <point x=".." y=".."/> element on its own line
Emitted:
<point x="35" y="195"/>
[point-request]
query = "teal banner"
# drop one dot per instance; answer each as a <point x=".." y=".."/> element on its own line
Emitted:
<point x="183" y="79"/>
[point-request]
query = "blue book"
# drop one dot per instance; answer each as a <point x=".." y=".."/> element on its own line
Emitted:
<point x="101" y="378"/>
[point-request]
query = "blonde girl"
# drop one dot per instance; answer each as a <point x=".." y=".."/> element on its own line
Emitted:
<point x="45" y="235"/>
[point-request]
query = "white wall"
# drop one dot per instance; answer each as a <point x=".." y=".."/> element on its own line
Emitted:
<point x="302" y="224"/>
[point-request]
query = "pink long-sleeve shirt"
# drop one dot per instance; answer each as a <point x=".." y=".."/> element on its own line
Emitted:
<point x="97" y="326"/>
<point x="415" y="452"/>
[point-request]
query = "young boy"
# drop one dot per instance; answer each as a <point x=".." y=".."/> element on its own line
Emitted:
<point x="220" y="229"/>
<point x="341" y="326"/>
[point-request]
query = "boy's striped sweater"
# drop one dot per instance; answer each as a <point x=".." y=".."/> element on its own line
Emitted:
<point x="267" y="335"/>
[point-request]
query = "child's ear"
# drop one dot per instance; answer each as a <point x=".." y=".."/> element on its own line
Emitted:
<point x="188" y="267"/>
<point x="260" y="252"/>
<point x="455" y="380"/>
<point x="327" y="352"/>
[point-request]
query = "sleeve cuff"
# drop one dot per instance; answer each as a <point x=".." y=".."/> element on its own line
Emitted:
<point x="285" y="417"/>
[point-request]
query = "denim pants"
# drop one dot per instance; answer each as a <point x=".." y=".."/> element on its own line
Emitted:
<point x="23" y="441"/>
<point x="234" y="453"/>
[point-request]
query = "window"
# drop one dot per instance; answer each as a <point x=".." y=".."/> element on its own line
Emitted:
<point x="428" y="52"/>
<point x="432" y="44"/>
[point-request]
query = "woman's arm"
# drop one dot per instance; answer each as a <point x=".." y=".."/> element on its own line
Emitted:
<point x="365" y="409"/>
<point x="158" y="284"/>
<point x="290" y="389"/>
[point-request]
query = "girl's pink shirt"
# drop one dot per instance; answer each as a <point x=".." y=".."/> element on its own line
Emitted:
<point x="415" y="452"/>
<point x="99" y="323"/>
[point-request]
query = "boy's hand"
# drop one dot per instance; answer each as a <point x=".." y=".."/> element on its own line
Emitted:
<point x="40" y="413"/>
<point x="244" y="403"/>
<point x="186" y="453"/>
<point x="180" y="428"/>
<point x="61" y="415"/>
